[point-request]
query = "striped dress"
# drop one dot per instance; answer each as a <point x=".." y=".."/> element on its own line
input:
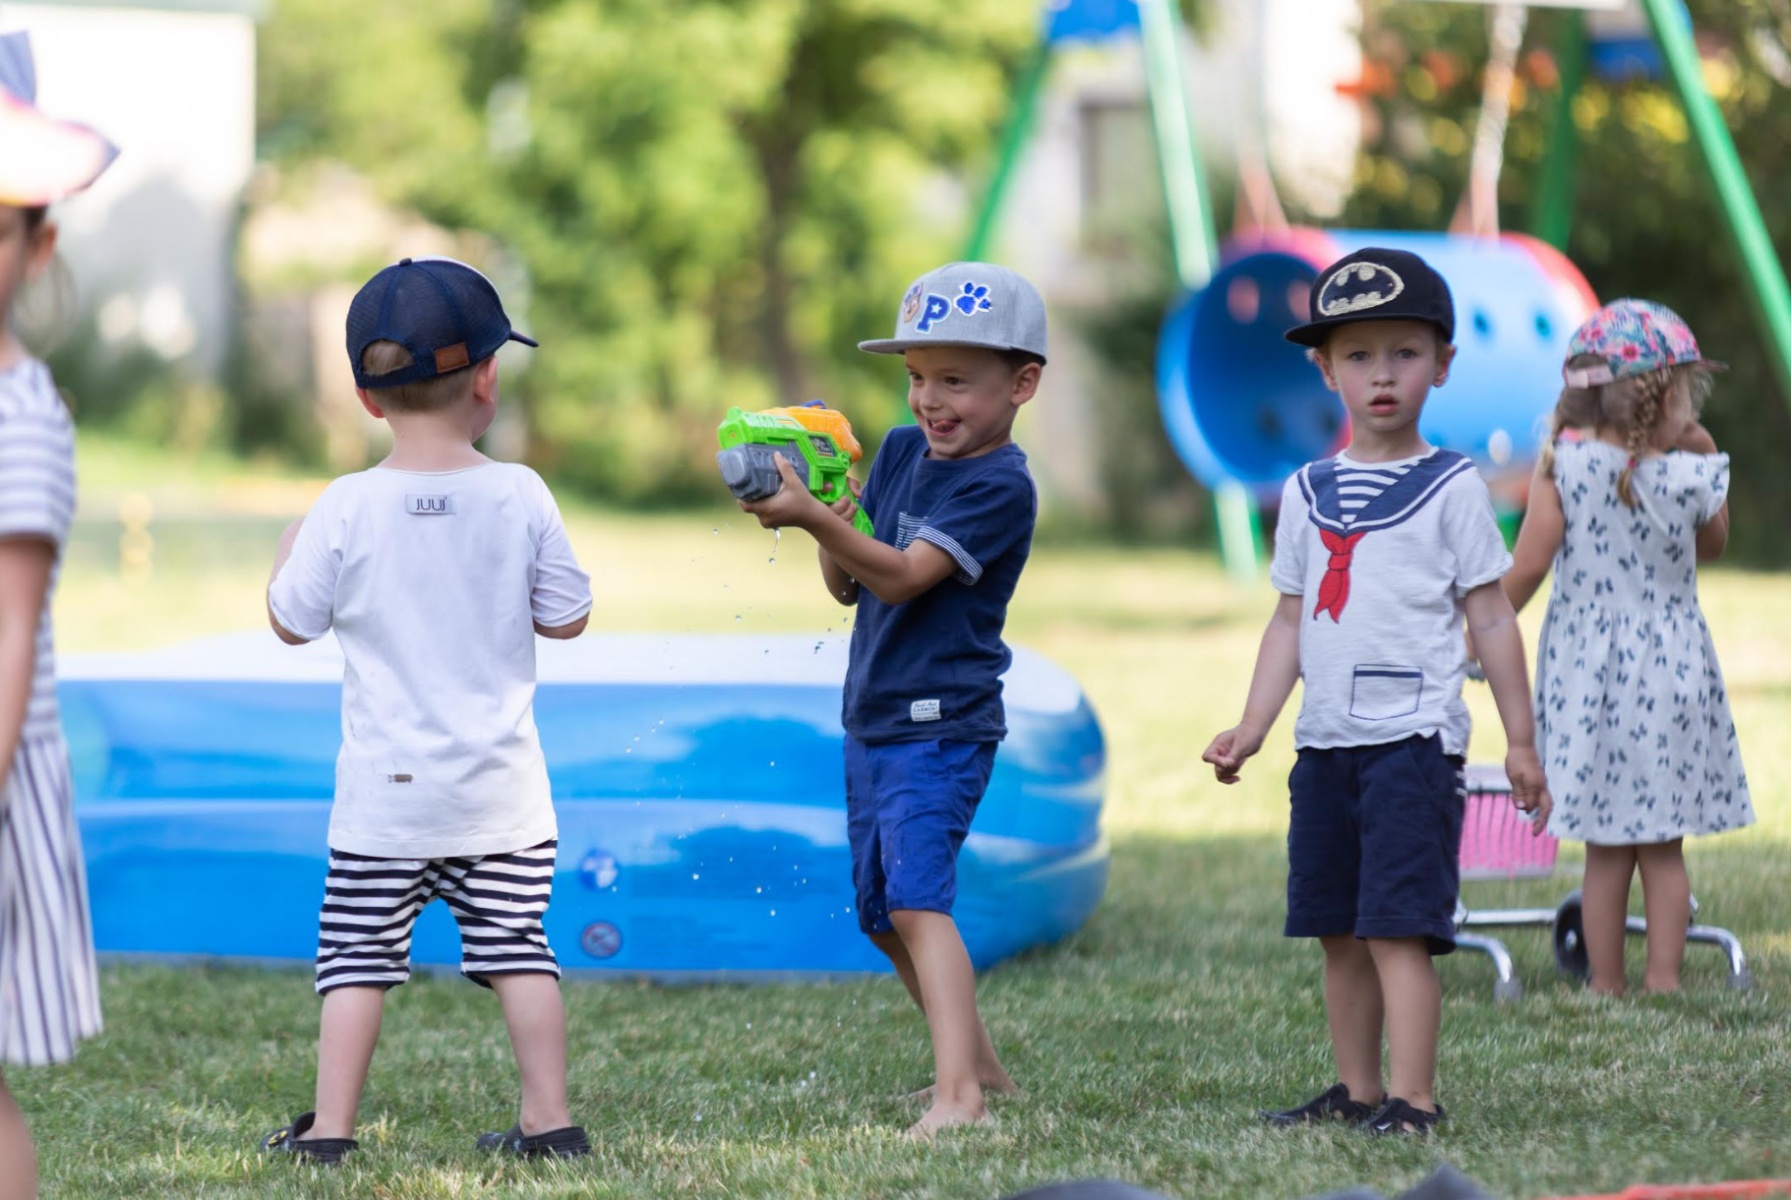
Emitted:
<point x="49" y="989"/>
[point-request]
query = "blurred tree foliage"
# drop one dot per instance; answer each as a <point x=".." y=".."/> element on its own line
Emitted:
<point x="1646" y="220"/>
<point x="711" y="200"/>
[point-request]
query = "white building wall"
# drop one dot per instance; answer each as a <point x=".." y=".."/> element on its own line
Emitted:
<point x="150" y="244"/>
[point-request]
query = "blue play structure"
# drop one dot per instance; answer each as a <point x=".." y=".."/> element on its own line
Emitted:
<point x="697" y="782"/>
<point x="1241" y="403"/>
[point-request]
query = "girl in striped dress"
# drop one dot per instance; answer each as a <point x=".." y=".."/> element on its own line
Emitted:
<point x="49" y="991"/>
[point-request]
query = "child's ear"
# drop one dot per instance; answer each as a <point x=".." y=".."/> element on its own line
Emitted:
<point x="1319" y="357"/>
<point x="1445" y="356"/>
<point x="367" y="403"/>
<point x="485" y="380"/>
<point x="1026" y="383"/>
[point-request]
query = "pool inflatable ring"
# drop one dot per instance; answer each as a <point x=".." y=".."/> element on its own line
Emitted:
<point x="697" y="781"/>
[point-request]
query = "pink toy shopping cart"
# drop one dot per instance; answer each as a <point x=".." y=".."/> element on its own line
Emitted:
<point x="1496" y="843"/>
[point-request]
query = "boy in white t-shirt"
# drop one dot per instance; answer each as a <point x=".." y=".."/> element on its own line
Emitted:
<point x="436" y="569"/>
<point x="1380" y="552"/>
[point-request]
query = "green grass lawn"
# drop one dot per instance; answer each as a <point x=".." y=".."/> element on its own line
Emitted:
<point x="1145" y="1042"/>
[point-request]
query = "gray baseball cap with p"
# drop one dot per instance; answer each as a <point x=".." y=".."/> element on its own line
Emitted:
<point x="968" y="304"/>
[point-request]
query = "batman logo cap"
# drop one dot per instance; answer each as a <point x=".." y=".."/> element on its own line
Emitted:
<point x="1376" y="284"/>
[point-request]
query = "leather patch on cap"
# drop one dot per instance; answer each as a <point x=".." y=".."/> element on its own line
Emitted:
<point x="451" y="358"/>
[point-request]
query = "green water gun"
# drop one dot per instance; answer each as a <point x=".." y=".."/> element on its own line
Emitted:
<point x="816" y="440"/>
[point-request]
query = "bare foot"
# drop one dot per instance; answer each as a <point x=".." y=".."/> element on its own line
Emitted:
<point x="942" y="1116"/>
<point x="1001" y="1084"/>
<point x="999" y="1081"/>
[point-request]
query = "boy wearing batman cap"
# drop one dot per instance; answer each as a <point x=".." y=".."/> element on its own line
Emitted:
<point x="1381" y="551"/>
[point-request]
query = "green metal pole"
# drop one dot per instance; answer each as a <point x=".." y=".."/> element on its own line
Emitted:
<point x="1765" y="274"/>
<point x="1191" y="230"/>
<point x="1013" y="143"/>
<point x="1195" y="242"/>
<point x="1552" y="218"/>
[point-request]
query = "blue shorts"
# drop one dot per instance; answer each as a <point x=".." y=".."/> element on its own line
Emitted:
<point x="908" y="809"/>
<point x="1374" y="842"/>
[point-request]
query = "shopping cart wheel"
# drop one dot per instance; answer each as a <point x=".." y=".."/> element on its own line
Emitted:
<point x="1570" y="939"/>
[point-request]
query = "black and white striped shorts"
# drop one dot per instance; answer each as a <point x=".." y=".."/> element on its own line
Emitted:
<point x="370" y="907"/>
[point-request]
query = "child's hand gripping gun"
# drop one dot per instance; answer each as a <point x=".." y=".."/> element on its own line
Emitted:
<point x="816" y="440"/>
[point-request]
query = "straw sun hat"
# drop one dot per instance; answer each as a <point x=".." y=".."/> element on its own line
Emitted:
<point x="42" y="159"/>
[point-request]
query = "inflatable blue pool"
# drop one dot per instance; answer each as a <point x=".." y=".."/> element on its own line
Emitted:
<point x="697" y="781"/>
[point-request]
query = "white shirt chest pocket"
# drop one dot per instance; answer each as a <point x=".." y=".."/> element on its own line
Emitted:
<point x="1382" y="691"/>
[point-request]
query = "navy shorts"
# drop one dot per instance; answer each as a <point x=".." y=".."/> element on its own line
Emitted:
<point x="908" y="809"/>
<point x="1374" y="842"/>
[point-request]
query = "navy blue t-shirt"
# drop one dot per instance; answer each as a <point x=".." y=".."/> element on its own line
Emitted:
<point x="931" y="668"/>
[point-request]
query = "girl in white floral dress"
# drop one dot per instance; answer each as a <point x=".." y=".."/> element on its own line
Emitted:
<point x="1632" y="718"/>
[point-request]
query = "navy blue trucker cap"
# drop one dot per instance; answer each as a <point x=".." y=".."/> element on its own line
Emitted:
<point x="444" y="312"/>
<point x="1376" y="284"/>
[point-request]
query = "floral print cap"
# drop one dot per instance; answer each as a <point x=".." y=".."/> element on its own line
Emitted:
<point x="1633" y="337"/>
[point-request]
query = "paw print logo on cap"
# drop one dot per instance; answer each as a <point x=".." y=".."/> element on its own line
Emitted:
<point x="973" y="299"/>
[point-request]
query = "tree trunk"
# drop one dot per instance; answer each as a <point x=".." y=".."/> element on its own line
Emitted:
<point x="778" y="156"/>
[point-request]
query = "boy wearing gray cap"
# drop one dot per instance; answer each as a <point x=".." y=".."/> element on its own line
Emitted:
<point x="953" y="506"/>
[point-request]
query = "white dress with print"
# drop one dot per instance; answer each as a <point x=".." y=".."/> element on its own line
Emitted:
<point x="1632" y="717"/>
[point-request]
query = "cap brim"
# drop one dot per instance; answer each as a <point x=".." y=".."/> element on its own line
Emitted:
<point x="894" y="345"/>
<point x="1586" y="377"/>
<point x="43" y="160"/>
<point x="1309" y="335"/>
<point x="1313" y="333"/>
<point x="902" y="345"/>
<point x="524" y="338"/>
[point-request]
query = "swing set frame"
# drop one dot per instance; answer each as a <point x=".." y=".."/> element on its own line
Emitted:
<point x="1194" y="237"/>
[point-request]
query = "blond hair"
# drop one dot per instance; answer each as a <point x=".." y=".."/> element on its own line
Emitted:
<point x="424" y="395"/>
<point x="1632" y="406"/>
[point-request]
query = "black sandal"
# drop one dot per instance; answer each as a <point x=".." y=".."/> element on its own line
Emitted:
<point x="569" y="1142"/>
<point x="290" y="1139"/>
<point x="1333" y="1104"/>
<point x="1397" y="1117"/>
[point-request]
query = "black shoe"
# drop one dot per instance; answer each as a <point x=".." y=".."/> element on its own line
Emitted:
<point x="569" y="1142"/>
<point x="291" y="1139"/>
<point x="1333" y="1104"/>
<point x="1396" y="1117"/>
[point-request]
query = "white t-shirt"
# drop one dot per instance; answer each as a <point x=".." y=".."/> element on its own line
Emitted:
<point x="433" y="583"/>
<point x="1381" y="647"/>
